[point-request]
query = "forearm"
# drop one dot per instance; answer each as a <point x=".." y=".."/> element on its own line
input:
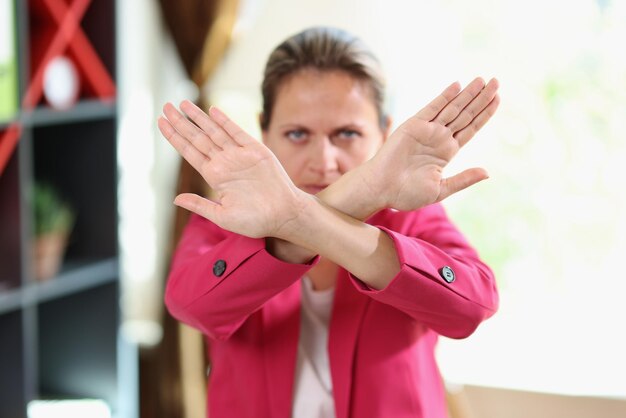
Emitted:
<point x="354" y="195"/>
<point x="365" y="251"/>
<point x="351" y="195"/>
<point x="453" y="308"/>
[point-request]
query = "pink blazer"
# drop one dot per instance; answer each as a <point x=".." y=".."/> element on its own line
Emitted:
<point x="381" y="343"/>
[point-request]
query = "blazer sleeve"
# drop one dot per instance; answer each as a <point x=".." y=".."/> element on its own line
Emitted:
<point x="442" y="281"/>
<point x="218" y="279"/>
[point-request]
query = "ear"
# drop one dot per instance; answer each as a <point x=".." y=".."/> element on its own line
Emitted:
<point x="387" y="129"/>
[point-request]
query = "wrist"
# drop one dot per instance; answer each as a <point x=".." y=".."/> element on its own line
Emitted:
<point x="356" y="193"/>
<point x="287" y="251"/>
<point x="370" y="190"/>
<point x="301" y="208"/>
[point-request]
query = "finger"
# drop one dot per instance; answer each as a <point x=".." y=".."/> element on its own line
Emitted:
<point x="433" y="108"/>
<point x="467" y="133"/>
<point x="452" y="109"/>
<point x="461" y="181"/>
<point x="476" y="106"/>
<point x="185" y="148"/>
<point x="196" y="204"/>
<point x="189" y="131"/>
<point x="238" y="134"/>
<point x="217" y="134"/>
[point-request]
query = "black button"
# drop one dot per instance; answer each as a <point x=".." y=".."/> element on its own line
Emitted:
<point x="219" y="267"/>
<point x="447" y="273"/>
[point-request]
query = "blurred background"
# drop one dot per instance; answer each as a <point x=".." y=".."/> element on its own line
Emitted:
<point x="82" y="83"/>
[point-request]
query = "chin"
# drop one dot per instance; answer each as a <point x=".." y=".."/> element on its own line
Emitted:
<point x="313" y="189"/>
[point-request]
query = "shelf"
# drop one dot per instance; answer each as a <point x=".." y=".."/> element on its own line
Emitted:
<point x="10" y="300"/>
<point x="60" y="336"/>
<point x="86" y="110"/>
<point x="42" y="116"/>
<point x="75" y="277"/>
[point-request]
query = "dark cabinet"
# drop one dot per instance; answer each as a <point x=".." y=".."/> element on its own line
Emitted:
<point x="59" y="337"/>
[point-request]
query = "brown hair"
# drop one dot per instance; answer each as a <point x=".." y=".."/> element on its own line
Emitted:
<point x="323" y="49"/>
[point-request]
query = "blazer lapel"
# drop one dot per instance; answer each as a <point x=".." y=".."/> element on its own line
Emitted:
<point x="345" y="324"/>
<point x="281" y="328"/>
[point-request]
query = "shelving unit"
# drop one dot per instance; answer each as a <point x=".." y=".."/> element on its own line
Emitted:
<point x="59" y="338"/>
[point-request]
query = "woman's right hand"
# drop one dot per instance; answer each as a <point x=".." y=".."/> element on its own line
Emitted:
<point x="254" y="196"/>
<point x="407" y="172"/>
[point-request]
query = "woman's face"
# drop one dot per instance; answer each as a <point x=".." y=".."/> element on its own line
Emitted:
<point x="323" y="124"/>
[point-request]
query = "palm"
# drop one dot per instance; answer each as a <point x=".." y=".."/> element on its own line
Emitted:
<point x="408" y="169"/>
<point x="253" y="195"/>
<point x="413" y="159"/>
<point x="240" y="179"/>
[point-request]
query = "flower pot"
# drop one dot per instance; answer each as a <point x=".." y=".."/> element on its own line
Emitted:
<point x="49" y="250"/>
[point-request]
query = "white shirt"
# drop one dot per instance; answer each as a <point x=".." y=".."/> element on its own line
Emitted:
<point x="313" y="391"/>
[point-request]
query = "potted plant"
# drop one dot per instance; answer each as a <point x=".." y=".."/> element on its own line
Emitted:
<point x="53" y="219"/>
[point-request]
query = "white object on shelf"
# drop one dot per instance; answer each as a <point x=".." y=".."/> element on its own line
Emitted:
<point x="61" y="83"/>
<point x="71" y="408"/>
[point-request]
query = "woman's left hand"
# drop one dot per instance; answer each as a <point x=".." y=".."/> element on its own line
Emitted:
<point x="407" y="172"/>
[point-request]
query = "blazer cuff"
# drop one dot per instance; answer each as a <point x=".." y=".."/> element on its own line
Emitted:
<point x="403" y="245"/>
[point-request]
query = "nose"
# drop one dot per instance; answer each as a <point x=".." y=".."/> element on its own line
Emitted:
<point x="324" y="156"/>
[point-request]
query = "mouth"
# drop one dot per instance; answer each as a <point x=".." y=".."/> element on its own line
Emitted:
<point x="313" y="188"/>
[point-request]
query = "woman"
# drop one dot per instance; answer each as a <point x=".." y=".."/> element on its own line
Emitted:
<point x="325" y="269"/>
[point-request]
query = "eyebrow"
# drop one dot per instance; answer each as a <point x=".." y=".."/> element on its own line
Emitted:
<point x="351" y="125"/>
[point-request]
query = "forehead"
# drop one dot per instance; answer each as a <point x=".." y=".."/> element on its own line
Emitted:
<point x="324" y="97"/>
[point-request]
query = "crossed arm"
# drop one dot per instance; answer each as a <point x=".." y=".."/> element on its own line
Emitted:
<point x="256" y="198"/>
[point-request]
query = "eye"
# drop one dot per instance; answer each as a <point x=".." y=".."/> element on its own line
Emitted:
<point x="348" y="134"/>
<point x="296" y="135"/>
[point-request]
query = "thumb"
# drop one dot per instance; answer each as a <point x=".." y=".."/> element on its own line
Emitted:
<point x="197" y="204"/>
<point x="461" y="181"/>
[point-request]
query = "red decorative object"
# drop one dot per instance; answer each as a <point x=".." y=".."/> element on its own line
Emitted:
<point x="8" y="141"/>
<point x="63" y="31"/>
